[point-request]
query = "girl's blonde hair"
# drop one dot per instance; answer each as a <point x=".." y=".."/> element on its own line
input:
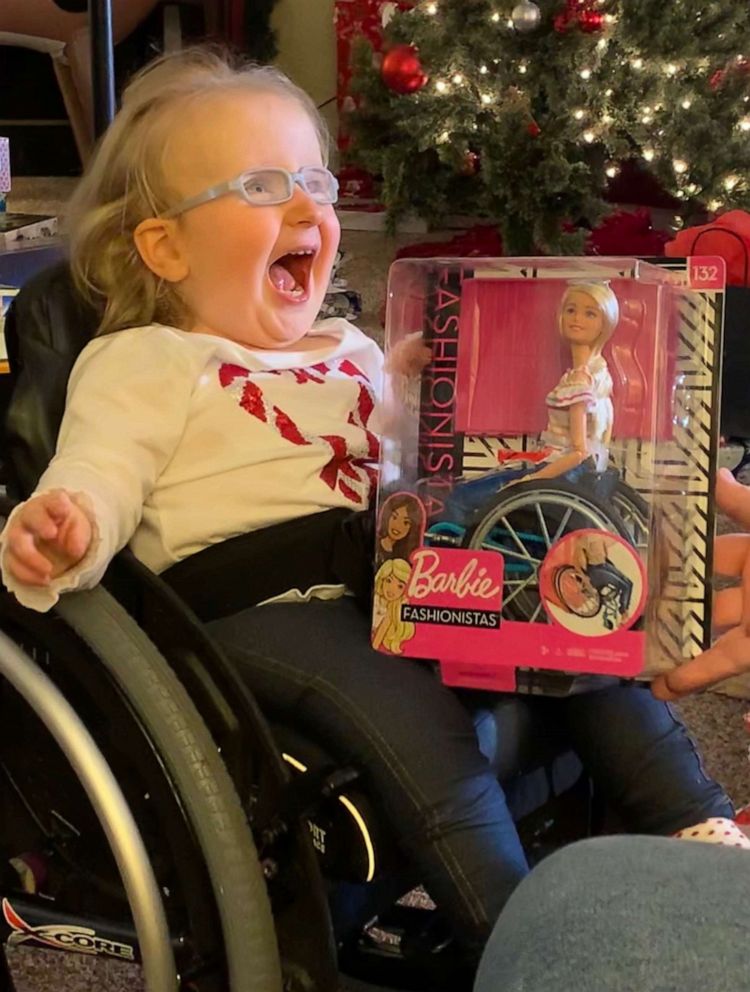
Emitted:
<point x="127" y="180"/>
<point x="604" y="297"/>
<point x="398" y="630"/>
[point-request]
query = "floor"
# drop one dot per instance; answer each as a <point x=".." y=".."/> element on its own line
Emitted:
<point x="714" y="719"/>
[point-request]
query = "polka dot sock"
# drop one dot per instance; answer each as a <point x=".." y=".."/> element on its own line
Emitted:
<point x="716" y="830"/>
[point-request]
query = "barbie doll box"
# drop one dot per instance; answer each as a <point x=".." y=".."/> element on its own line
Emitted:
<point x="550" y="437"/>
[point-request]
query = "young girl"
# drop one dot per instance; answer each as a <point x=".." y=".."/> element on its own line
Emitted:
<point x="211" y="416"/>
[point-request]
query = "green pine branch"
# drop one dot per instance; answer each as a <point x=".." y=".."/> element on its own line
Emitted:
<point x="550" y="114"/>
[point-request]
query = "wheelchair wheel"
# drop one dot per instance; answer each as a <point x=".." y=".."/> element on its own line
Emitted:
<point x="523" y="523"/>
<point x="572" y="593"/>
<point x="633" y="511"/>
<point x="173" y="778"/>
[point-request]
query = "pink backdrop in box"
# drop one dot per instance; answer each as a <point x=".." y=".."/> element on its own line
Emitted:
<point x="511" y="355"/>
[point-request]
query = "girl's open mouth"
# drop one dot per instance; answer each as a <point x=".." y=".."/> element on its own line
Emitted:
<point x="290" y="274"/>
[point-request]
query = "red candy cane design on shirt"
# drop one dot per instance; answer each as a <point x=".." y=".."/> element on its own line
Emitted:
<point x="349" y="469"/>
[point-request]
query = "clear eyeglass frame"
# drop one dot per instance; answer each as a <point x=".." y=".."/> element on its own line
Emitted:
<point x="268" y="187"/>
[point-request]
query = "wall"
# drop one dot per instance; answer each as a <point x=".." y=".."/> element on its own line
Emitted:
<point x="307" y="48"/>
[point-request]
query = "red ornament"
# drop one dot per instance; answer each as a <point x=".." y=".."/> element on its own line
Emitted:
<point x="471" y="164"/>
<point x="533" y="129"/>
<point x="563" y="22"/>
<point x="401" y="70"/>
<point x="591" y="21"/>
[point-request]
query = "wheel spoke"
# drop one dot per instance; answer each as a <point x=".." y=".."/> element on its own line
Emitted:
<point x="521" y="587"/>
<point x="543" y="525"/>
<point x="536" y="612"/>
<point x="514" y="536"/>
<point x="561" y="529"/>
<point x="510" y="553"/>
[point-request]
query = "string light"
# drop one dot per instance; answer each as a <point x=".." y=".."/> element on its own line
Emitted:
<point x="744" y="124"/>
<point x="522" y="68"/>
<point x="714" y="205"/>
<point x="670" y="69"/>
<point x="458" y="79"/>
<point x="679" y="165"/>
<point x="687" y="103"/>
<point x="495" y="17"/>
<point x="441" y="86"/>
<point x="612" y="170"/>
<point x="579" y="114"/>
<point x="432" y="8"/>
<point x="445" y="136"/>
<point x="486" y="98"/>
<point x="483" y="70"/>
<point x="589" y="136"/>
<point x="585" y="74"/>
<point x="608" y="92"/>
<point x="637" y="63"/>
<point x="730" y="182"/>
<point x="648" y="154"/>
<point x="691" y="188"/>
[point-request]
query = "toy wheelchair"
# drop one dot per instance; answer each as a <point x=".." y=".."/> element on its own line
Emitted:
<point x="524" y="520"/>
<point x="153" y="814"/>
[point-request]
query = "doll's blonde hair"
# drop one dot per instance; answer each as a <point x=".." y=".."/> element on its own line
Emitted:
<point x="398" y="630"/>
<point x="604" y="297"/>
<point x="127" y="180"/>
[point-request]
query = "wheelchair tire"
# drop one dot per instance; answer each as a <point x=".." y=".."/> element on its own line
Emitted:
<point x="584" y="611"/>
<point x="633" y="510"/>
<point x="200" y="777"/>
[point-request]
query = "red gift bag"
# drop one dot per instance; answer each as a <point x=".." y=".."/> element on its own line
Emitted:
<point x="728" y="237"/>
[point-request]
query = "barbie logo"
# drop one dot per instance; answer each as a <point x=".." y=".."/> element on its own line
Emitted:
<point x="463" y="578"/>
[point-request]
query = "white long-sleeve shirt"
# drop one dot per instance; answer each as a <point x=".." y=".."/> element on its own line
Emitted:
<point x="173" y="441"/>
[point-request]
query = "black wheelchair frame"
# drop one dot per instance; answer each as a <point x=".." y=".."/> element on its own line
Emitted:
<point x="230" y="828"/>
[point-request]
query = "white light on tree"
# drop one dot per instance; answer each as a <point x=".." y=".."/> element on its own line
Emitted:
<point x="680" y="166"/>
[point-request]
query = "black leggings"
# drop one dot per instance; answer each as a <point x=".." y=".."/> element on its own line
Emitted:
<point x="311" y="664"/>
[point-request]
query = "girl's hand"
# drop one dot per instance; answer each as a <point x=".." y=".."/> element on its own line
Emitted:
<point x="730" y="655"/>
<point x="47" y="536"/>
<point x="410" y="356"/>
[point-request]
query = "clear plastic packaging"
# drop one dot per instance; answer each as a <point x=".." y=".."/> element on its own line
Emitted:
<point x="550" y="438"/>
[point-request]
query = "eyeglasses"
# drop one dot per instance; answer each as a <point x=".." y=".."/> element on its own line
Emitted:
<point x="267" y="187"/>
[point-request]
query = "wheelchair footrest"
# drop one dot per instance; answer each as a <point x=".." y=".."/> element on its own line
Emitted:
<point x="407" y="948"/>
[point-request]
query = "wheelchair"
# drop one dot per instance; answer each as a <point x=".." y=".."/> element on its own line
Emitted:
<point x="524" y="520"/>
<point x="157" y="815"/>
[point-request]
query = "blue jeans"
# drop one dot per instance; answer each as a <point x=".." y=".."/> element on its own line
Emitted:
<point x="626" y="914"/>
<point x="312" y="666"/>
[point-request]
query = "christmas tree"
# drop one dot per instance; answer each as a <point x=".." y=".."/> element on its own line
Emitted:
<point x="523" y="112"/>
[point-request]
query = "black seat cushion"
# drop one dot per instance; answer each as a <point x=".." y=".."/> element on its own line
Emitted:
<point x="46" y="329"/>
